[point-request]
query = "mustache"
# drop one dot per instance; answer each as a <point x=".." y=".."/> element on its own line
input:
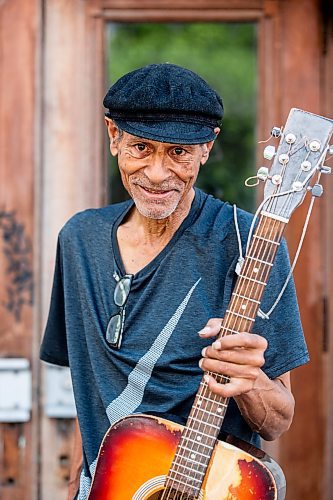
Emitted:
<point x="166" y="185"/>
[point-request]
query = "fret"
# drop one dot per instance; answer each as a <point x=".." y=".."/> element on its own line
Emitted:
<point x="244" y="297"/>
<point x="210" y="425"/>
<point x="213" y="374"/>
<point x="203" y="383"/>
<point x="229" y="329"/>
<point x="189" y="467"/>
<point x="240" y="315"/>
<point x="199" y="443"/>
<point x="252" y="279"/>
<point x="187" y="476"/>
<point x="266" y="239"/>
<point x="211" y="401"/>
<point x="198" y="408"/>
<point x="192" y="453"/>
<point x="173" y="479"/>
<point x="261" y="261"/>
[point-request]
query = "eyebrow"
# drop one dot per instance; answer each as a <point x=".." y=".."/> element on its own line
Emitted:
<point x="141" y="140"/>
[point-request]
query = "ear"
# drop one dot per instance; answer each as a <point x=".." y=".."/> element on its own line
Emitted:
<point x="207" y="147"/>
<point x="114" y="135"/>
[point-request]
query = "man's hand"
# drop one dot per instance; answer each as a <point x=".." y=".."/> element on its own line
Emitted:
<point x="239" y="356"/>
<point x="267" y="405"/>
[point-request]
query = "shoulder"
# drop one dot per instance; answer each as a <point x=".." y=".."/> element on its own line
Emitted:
<point x="93" y="219"/>
<point x="221" y="218"/>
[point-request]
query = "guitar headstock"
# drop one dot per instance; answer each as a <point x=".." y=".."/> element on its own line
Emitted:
<point x="304" y="143"/>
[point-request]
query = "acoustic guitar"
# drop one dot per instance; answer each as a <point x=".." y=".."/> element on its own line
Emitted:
<point x="148" y="458"/>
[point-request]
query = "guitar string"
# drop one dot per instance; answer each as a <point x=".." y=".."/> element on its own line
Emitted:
<point x="254" y="249"/>
<point x="235" y="321"/>
<point x="282" y="171"/>
<point x="252" y="283"/>
<point x="263" y="269"/>
<point x="263" y="272"/>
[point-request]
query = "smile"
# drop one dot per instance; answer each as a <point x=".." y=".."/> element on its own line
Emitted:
<point x="151" y="193"/>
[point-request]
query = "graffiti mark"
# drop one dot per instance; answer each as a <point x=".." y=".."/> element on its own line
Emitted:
<point x="17" y="249"/>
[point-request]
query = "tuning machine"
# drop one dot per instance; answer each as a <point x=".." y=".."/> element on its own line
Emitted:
<point x="317" y="190"/>
<point x="262" y="175"/>
<point x="276" y="132"/>
<point x="324" y="169"/>
<point x="269" y="152"/>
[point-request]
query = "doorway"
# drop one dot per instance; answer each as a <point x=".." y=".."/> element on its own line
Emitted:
<point x="224" y="54"/>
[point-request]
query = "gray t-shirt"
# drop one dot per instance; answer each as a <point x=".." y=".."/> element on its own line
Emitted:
<point x="156" y="369"/>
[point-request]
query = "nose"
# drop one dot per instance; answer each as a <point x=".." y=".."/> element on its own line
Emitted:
<point x="157" y="170"/>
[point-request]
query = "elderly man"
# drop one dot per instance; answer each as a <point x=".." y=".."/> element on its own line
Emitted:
<point x="140" y="286"/>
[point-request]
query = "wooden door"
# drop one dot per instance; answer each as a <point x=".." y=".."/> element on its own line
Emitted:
<point x="290" y="63"/>
<point x="52" y="165"/>
<point x="18" y="339"/>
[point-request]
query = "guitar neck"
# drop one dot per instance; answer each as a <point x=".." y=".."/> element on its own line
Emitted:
<point x="253" y="278"/>
<point x="208" y="411"/>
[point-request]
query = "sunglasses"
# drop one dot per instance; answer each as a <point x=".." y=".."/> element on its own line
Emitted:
<point x="115" y="328"/>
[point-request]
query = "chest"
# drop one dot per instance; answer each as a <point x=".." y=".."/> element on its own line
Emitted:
<point x="136" y="255"/>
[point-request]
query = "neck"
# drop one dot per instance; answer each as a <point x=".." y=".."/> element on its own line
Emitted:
<point x="157" y="230"/>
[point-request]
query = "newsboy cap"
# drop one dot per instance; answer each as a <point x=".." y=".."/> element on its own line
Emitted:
<point x="166" y="103"/>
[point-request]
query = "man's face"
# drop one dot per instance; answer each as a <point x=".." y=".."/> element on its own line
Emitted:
<point x="158" y="176"/>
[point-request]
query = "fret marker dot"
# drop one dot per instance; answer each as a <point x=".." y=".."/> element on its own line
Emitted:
<point x="199" y="402"/>
<point x="255" y="270"/>
<point x="193" y="455"/>
<point x="219" y="410"/>
<point x="243" y="306"/>
<point x="198" y="438"/>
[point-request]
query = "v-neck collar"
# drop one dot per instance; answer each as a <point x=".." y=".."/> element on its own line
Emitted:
<point x="154" y="263"/>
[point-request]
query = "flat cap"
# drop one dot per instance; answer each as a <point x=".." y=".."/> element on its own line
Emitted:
<point x="166" y="103"/>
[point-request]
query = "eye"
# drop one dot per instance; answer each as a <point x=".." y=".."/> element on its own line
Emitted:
<point x="178" y="151"/>
<point x="140" y="146"/>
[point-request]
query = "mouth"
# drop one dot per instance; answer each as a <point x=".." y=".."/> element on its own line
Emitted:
<point x="156" y="193"/>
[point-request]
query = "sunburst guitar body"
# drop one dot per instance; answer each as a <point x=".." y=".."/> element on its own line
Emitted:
<point x="137" y="452"/>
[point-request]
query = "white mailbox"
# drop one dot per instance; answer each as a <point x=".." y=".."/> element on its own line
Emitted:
<point x="15" y="390"/>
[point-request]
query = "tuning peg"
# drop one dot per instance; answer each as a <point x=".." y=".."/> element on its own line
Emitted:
<point x="269" y="152"/>
<point x="262" y="174"/>
<point x="290" y="138"/>
<point x="276" y="132"/>
<point x="317" y="190"/>
<point x="324" y="169"/>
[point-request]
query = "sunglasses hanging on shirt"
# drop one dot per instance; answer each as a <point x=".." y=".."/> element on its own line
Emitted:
<point x="115" y="328"/>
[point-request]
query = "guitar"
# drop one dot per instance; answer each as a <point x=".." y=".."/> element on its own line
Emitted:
<point x="148" y="458"/>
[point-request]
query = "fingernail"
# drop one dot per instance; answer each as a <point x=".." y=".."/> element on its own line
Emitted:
<point x="205" y="331"/>
<point x="203" y="352"/>
<point x="200" y="363"/>
<point x="216" y="345"/>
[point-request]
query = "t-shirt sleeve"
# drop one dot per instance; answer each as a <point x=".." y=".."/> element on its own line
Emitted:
<point x="54" y="344"/>
<point x="283" y="330"/>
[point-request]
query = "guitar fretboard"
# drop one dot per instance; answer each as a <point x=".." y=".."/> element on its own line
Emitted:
<point x="208" y="411"/>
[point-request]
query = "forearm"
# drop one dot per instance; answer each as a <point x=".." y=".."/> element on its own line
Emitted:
<point x="268" y="408"/>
